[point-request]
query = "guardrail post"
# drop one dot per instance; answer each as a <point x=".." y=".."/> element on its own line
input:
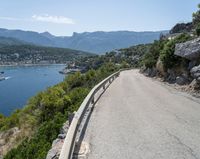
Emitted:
<point x="104" y="87"/>
<point x="70" y="118"/>
<point x="92" y="101"/>
<point x="110" y="81"/>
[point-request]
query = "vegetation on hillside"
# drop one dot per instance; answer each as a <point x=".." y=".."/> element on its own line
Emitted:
<point x="196" y="21"/>
<point x="5" y="41"/>
<point x="164" y="48"/>
<point x="41" y="119"/>
<point x="46" y="112"/>
<point x="32" y="54"/>
<point x="128" y="57"/>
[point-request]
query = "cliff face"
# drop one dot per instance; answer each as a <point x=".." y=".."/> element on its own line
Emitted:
<point x="182" y="27"/>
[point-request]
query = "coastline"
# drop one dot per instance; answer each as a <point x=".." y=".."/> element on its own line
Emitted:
<point x="31" y="79"/>
<point x="28" y="65"/>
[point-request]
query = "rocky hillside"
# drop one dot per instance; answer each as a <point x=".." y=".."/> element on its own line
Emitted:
<point x="176" y="57"/>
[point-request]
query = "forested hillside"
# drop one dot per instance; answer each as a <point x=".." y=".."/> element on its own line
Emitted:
<point x="31" y="54"/>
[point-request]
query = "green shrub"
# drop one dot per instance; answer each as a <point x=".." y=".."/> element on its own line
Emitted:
<point x="38" y="146"/>
<point x="167" y="53"/>
<point x="198" y="30"/>
<point x="150" y="59"/>
<point x="196" y="17"/>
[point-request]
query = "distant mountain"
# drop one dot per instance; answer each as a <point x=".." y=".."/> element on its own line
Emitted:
<point x="97" y="42"/>
<point x="101" y="42"/>
<point x="5" y="41"/>
<point x="28" y="36"/>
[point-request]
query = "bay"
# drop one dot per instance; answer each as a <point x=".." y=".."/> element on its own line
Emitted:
<point x="24" y="82"/>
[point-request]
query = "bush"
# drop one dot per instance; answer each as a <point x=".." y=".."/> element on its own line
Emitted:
<point x="152" y="56"/>
<point x="198" y="30"/>
<point x="167" y="54"/>
<point x="196" y="17"/>
<point x="40" y="143"/>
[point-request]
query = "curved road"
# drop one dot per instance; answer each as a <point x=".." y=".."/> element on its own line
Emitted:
<point x="140" y="118"/>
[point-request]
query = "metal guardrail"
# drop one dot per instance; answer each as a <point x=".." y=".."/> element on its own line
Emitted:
<point x="70" y="140"/>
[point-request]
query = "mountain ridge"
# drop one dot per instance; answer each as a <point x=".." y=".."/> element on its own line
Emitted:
<point x="97" y="42"/>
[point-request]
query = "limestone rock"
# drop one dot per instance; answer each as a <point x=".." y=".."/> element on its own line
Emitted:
<point x="57" y="144"/>
<point x="160" y="67"/>
<point x="151" y="72"/>
<point x="192" y="64"/>
<point x="189" y="50"/>
<point x="194" y="85"/>
<point x="195" y="73"/>
<point x="8" y="140"/>
<point x="180" y="80"/>
<point x="56" y="149"/>
<point x="181" y="27"/>
<point x="171" y="76"/>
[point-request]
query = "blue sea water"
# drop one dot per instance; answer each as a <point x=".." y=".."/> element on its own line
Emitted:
<point x="24" y="82"/>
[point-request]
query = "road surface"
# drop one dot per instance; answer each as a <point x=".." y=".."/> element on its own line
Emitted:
<point x="140" y="118"/>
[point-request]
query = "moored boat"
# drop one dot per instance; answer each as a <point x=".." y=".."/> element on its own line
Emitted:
<point x="2" y="78"/>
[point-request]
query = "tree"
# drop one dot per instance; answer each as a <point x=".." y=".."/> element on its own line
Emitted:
<point x="196" y="16"/>
<point x="196" y="21"/>
<point x="198" y="29"/>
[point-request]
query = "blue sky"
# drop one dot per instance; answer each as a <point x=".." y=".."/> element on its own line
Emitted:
<point x="63" y="17"/>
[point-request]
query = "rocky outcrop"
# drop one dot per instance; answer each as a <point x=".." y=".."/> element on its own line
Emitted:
<point x="181" y="27"/>
<point x="170" y="76"/>
<point x="160" y="67"/>
<point x="195" y="73"/>
<point x="182" y="80"/>
<point x="57" y="144"/>
<point x="150" y="72"/>
<point x="189" y="50"/>
<point x="194" y="85"/>
<point x="8" y="140"/>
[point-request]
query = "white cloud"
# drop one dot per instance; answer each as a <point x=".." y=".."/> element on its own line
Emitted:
<point x="42" y="18"/>
<point x="53" y="19"/>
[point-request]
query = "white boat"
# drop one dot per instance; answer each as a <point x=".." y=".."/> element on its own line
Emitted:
<point x="2" y="78"/>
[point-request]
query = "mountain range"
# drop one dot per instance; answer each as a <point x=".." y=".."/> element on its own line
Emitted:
<point x="96" y="42"/>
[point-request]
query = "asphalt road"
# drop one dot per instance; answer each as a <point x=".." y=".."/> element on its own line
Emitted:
<point x="140" y="118"/>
